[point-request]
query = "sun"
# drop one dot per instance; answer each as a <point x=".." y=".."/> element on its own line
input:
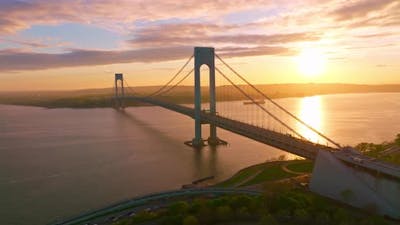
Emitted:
<point x="311" y="62"/>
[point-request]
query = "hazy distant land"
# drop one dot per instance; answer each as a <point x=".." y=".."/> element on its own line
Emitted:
<point x="92" y="98"/>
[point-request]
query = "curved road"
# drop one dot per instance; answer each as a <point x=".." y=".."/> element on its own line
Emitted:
<point x="140" y="201"/>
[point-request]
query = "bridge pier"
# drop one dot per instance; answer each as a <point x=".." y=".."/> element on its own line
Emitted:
<point x="119" y="93"/>
<point x="204" y="56"/>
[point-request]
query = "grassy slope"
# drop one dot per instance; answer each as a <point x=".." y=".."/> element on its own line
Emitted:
<point x="268" y="171"/>
<point x="240" y="176"/>
<point x="301" y="166"/>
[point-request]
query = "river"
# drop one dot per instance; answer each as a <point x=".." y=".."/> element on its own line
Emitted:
<point x="56" y="163"/>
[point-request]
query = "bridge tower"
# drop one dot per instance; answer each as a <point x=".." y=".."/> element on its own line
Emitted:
<point x="204" y="56"/>
<point x="119" y="91"/>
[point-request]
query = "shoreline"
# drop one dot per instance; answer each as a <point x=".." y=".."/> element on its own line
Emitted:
<point x="129" y="204"/>
<point x="98" y="102"/>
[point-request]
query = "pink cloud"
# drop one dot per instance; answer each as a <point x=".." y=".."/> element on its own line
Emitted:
<point x="17" y="15"/>
<point x="360" y="8"/>
<point x="14" y="60"/>
<point x="198" y="33"/>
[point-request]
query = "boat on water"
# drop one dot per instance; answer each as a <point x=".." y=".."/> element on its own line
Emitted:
<point x="261" y="101"/>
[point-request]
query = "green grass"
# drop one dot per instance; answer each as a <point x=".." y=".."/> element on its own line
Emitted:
<point x="301" y="166"/>
<point x="240" y="176"/>
<point x="270" y="173"/>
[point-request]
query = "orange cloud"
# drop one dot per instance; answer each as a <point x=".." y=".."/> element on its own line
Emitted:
<point x="12" y="60"/>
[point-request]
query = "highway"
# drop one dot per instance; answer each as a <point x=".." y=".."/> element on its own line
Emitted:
<point x="104" y="214"/>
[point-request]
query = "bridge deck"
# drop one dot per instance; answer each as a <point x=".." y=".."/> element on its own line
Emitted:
<point x="369" y="163"/>
<point x="281" y="141"/>
<point x="285" y="142"/>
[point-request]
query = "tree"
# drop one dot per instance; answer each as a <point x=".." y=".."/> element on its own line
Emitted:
<point x="196" y="205"/>
<point x="283" y="215"/>
<point x="224" y="213"/>
<point x="397" y="140"/>
<point x="205" y="214"/>
<point x="301" y="216"/>
<point x="341" y="216"/>
<point x="243" y="213"/>
<point x="240" y="201"/>
<point x="268" y="219"/>
<point x="281" y="201"/>
<point x="322" y="218"/>
<point x="365" y="147"/>
<point x="374" y="220"/>
<point x="171" y="220"/>
<point x="190" y="220"/>
<point x="178" y="208"/>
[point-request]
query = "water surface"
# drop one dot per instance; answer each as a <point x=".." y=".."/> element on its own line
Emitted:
<point x="60" y="162"/>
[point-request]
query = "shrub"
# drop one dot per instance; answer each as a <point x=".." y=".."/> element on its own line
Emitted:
<point x="180" y="207"/>
<point x="224" y="213"/>
<point x="243" y="213"/>
<point x="268" y="219"/>
<point x="301" y="216"/>
<point x="190" y="220"/>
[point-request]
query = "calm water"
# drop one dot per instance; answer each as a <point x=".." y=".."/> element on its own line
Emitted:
<point x="60" y="162"/>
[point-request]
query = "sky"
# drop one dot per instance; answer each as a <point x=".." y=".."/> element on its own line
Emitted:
<point x="78" y="44"/>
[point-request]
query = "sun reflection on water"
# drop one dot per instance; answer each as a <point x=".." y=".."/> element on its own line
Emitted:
<point x="310" y="111"/>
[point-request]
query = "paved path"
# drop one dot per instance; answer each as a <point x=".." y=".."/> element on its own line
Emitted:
<point x="287" y="170"/>
<point x="248" y="178"/>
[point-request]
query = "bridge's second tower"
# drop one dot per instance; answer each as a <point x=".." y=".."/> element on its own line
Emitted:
<point x="204" y="56"/>
<point x="119" y="91"/>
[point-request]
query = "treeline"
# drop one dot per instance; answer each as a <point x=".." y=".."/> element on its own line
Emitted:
<point x="386" y="151"/>
<point x="292" y="207"/>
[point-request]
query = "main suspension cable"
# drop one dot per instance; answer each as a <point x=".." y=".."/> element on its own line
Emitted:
<point x="258" y="104"/>
<point x="180" y="81"/>
<point x="276" y="104"/>
<point x="172" y="79"/>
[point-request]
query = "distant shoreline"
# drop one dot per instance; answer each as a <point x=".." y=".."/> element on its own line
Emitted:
<point x="93" y="104"/>
<point x="101" y="98"/>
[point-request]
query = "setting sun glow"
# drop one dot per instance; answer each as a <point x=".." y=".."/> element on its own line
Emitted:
<point x="310" y="111"/>
<point x="311" y="62"/>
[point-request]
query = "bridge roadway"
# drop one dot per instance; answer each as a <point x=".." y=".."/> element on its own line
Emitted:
<point x="278" y="140"/>
<point x="285" y="142"/>
<point x="140" y="203"/>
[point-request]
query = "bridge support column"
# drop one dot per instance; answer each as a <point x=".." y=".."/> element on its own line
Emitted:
<point x="119" y="91"/>
<point x="204" y="56"/>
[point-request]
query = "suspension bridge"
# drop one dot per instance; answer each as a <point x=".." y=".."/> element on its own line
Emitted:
<point x="277" y="133"/>
<point x="262" y="119"/>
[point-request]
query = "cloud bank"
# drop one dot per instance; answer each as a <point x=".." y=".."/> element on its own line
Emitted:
<point x="163" y="30"/>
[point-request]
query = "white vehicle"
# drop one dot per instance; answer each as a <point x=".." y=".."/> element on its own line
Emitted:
<point x="357" y="159"/>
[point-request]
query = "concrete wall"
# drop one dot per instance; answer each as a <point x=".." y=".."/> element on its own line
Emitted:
<point x="335" y="179"/>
